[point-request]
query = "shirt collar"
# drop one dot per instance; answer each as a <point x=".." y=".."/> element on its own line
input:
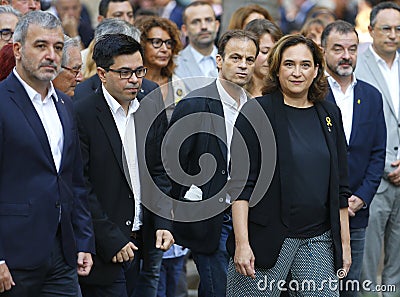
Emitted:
<point x="378" y="59"/>
<point x="198" y="57"/>
<point x="32" y="93"/>
<point x="334" y="84"/>
<point x="115" y="106"/>
<point x="227" y="99"/>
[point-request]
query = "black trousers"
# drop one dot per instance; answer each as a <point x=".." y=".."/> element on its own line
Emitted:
<point x="54" y="278"/>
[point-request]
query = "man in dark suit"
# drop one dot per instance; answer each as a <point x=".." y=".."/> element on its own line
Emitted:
<point x="45" y="224"/>
<point x="211" y="110"/>
<point x="364" y="126"/>
<point x="125" y="181"/>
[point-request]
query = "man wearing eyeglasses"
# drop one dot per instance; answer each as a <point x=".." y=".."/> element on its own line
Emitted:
<point x="8" y="20"/>
<point x="123" y="169"/>
<point x="379" y="65"/>
<point x="71" y="65"/>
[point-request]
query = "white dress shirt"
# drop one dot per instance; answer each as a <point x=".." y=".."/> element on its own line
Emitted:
<point x="125" y="124"/>
<point x="392" y="78"/>
<point x="48" y="115"/>
<point x="207" y="64"/>
<point x="231" y="111"/>
<point x="345" y="101"/>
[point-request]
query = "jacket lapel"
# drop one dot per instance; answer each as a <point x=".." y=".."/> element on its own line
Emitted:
<point x="22" y="100"/>
<point x="110" y="128"/>
<point x="65" y="122"/>
<point x="217" y="118"/>
<point x="357" y="105"/>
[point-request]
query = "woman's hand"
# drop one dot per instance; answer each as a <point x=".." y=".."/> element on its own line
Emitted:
<point x="346" y="257"/>
<point x="244" y="260"/>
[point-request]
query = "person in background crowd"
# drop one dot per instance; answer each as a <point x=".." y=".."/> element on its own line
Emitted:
<point x="117" y="9"/>
<point x="170" y="9"/>
<point x="268" y="34"/>
<point x="69" y="12"/>
<point x="244" y="15"/>
<point x="379" y="65"/>
<point x="108" y="9"/>
<point x="313" y="29"/>
<point x="294" y="15"/>
<point x="23" y="6"/>
<point x="300" y="223"/>
<point x="71" y="64"/>
<point x="7" y="60"/>
<point x="365" y="130"/>
<point x="223" y="98"/>
<point x="200" y="27"/>
<point x="42" y="195"/>
<point x="161" y="43"/>
<point x="8" y="20"/>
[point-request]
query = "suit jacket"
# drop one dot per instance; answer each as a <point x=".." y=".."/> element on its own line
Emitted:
<point x="368" y="70"/>
<point x="366" y="148"/>
<point x="32" y="191"/>
<point x="268" y="219"/>
<point x="201" y="236"/>
<point x="111" y="199"/>
<point x="190" y="71"/>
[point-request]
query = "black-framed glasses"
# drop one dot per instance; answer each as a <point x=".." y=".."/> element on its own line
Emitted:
<point x="127" y="73"/>
<point x="387" y="30"/>
<point x="74" y="71"/>
<point x="6" y="34"/>
<point x="158" y="42"/>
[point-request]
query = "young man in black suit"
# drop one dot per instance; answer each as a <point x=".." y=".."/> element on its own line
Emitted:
<point x="121" y="139"/>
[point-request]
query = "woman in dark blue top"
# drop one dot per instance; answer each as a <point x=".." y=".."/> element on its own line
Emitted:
<point x="296" y="236"/>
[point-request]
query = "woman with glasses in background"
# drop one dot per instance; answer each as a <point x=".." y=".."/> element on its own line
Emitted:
<point x="161" y="43"/>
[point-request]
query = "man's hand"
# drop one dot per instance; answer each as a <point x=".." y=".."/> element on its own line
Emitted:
<point x="394" y="176"/>
<point x="85" y="263"/>
<point x="6" y="281"/>
<point x="355" y="204"/>
<point x="164" y="239"/>
<point x="127" y="253"/>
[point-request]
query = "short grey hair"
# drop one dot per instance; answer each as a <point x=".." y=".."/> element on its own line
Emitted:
<point x="69" y="43"/>
<point x="41" y="18"/>
<point x="116" y="26"/>
<point x="9" y="9"/>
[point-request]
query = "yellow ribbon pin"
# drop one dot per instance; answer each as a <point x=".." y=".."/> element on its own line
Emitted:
<point x="358" y="101"/>
<point x="328" y="123"/>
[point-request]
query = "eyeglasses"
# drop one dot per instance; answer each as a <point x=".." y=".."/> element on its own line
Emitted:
<point x="6" y="34"/>
<point x="387" y="30"/>
<point x="127" y="73"/>
<point x="74" y="71"/>
<point x="157" y="42"/>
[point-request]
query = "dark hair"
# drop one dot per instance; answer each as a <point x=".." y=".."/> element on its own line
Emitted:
<point x="195" y="4"/>
<point x="147" y="23"/>
<point x="236" y="34"/>
<point x="381" y="6"/>
<point x="262" y="26"/>
<point x="114" y="45"/>
<point x="240" y="15"/>
<point x="104" y="5"/>
<point x="319" y="86"/>
<point x="339" y="26"/>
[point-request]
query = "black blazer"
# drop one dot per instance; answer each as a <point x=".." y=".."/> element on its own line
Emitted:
<point x="110" y="197"/>
<point x="268" y="219"/>
<point x="201" y="236"/>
